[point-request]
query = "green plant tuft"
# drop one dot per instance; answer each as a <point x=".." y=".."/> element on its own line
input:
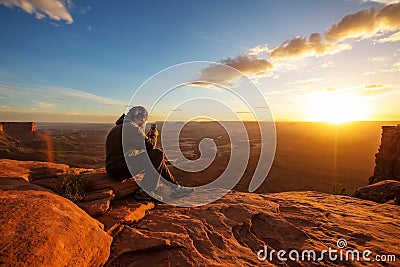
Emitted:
<point x="339" y="189"/>
<point x="73" y="187"/>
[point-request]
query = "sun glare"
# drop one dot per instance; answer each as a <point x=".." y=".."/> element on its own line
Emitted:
<point x="336" y="107"/>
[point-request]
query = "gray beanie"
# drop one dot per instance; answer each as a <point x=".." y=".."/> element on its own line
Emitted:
<point x="138" y="112"/>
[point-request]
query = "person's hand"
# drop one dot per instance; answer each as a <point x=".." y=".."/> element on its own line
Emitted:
<point x="152" y="133"/>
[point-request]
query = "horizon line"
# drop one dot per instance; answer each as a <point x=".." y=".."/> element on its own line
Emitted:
<point x="205" y="121"/>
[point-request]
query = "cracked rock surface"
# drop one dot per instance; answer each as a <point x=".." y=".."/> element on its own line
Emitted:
<point x="40" y="228"/>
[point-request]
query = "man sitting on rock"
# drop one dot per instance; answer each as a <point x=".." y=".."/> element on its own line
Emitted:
<point x="136" y="143"/>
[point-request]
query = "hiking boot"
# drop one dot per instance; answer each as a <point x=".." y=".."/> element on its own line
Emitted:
<point x="180" y="191"/>
<point x="141" y="195"/>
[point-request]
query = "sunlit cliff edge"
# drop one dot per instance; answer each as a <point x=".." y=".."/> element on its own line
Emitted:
<point x="387" y="160"/>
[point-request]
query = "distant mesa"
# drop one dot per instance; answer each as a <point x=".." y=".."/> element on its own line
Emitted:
<point x="21" y="141"/>
<point x="17" y="127"/>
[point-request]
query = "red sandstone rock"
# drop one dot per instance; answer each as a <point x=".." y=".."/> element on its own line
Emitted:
<point x="388" y="157"/>
<point x="99" y="180"/>
<point x="32" y="170"/>
<point x="230" y="231"/>
<point x="131" y="240"/>
<point x="17" y="127"/>
<point x="101" y="188"/>
<point x="40" y="228"/>
<point x="21" y="141"/>
<point x="380" y="192"/>
<point x="101" y="194"/>
<point x="124" y="212"/>
<point x="95" y="207"/>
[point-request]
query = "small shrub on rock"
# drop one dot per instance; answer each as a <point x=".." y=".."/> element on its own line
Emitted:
<point x="73" y="187"/>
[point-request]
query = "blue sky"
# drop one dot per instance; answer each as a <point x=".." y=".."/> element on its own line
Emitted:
<point x="83" y="60"/>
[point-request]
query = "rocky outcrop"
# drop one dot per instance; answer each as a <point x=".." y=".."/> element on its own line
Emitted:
<point x="101" y="189"/>
<point x="34" y="171"/>
<point x="40" y="228"/>
<point x="60" y="143"/>
<point x="387" y="160"/>
<point x="17" y="127"/>
<point x="20" y="141"/>
<point x="124" y="212"/>
<point x="230" y="231"/>
<point x="99" y="180"/>
<point x="381" y="192"/>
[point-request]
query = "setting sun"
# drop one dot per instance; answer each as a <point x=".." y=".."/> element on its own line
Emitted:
<point x="336" y="107"/>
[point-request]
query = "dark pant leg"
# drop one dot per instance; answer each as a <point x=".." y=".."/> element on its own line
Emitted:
<point x="152" y="173"/>
<point x="157" y="158"/>
<point x="166" y="173"/>
<point x="119" y="171"/>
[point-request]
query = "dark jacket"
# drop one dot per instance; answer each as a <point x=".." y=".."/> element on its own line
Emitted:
<point x="135" y="142"/>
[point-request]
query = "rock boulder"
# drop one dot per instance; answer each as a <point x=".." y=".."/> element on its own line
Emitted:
<point x="380" y="192"/>
<point x="40" y="228"/>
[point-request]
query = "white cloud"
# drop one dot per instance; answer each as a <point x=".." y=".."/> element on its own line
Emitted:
<point x="57" y="93"/>
<point x="386" y="2"/>
<point x="85" y="95"/>
<point x="379" y="59"/>
<point x="328" y="64"/>
<point x="362" y="89"/>
<point x="55" y="24"/>
<point x="261" y="61"/>
<point x="259" y="50"/>
<point x="366" y="23"/>
<point x="369" y="73"/>
<point x="6" y="107"/>
<point x="307" y="81"/>
<point x="220" y="74"/>
<point x="301" y="47"/>
<point x="374" y="90"/>
<point x="85" y="10"/>
<point x="395" y="68"/>
<point x="55" y="9"/>
<point x="390" y="39"/>
<point x="44" y="105"/>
